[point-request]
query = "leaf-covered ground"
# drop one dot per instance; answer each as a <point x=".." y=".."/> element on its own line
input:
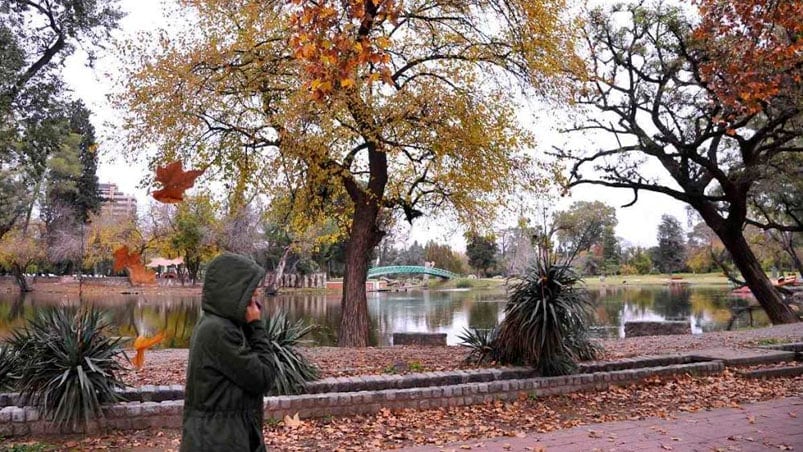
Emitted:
<point x="168" y="366"/>
<point x="660" y="398"/>
<point x="392" y="429"/>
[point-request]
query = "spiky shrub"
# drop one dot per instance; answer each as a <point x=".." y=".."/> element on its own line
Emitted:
<point x="292" y="369"/>
<point x="70" y="366"/>
<point x="546" y="321"/>
<point x="7" y="369"/>
<point x="481" y="344"/>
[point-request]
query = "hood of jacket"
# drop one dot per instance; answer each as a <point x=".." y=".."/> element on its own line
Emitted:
<point x="229" y="283"/>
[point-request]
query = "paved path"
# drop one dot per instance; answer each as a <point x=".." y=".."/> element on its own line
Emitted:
<point x="772" y="425"/>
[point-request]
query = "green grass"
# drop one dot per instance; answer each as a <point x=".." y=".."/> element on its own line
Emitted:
<point x="698" y="279"/>
<point x="26" y="447"/>
<point x="464" y="284"/>
<point x="273" y="421"/>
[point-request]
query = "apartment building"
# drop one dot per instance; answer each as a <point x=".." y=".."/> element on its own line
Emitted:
<point x="116" y="203"/>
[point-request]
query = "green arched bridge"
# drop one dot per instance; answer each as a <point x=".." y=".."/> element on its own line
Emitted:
<point x="414" y="269"/>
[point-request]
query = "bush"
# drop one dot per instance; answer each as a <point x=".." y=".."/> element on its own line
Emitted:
<point x="464" y="284"/>
<point x="7" y="366"/>
<point x="481" y="343"/>
<point x="291" y="368"/>
<point x="67" y="366"/>
<point x="546" y="321"/>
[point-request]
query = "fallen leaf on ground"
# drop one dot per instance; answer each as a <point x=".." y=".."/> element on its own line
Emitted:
<point x="293" y="422"/>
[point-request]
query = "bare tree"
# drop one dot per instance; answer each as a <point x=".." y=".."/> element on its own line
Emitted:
<point x="649" y="93"/>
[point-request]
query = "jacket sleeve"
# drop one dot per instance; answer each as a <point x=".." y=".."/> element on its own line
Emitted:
<point x="245" y="365"/>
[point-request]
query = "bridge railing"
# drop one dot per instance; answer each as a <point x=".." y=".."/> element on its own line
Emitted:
<point x="411" y="269"/>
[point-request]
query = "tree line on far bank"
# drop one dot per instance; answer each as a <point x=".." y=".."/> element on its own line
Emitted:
<point x="509" y="251"/>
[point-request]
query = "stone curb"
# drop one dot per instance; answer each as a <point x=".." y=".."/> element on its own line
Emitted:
<point x="146" y="393"/>
<point x="16" y="421"/>
<point x="151" y="393"/>
<point x="796" y="347"/>
<point x="777" y="356"/>
<point x="790" y="371"/>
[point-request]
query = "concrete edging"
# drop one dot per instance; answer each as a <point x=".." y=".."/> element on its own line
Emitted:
<point x="15" y="421"/>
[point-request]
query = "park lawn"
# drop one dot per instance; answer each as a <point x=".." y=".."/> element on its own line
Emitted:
<point x="696" y="279"/>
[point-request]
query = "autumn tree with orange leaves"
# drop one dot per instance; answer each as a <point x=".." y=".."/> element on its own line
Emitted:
<point x="754" y="50"/>
<point x="400" y="108"/>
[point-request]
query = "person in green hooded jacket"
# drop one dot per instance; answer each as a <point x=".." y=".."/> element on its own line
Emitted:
<point x="227" y="373"/>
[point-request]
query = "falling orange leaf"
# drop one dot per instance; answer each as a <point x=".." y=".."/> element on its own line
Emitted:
<point x="142" y="343"/>
<point x="124" y="258"/>
<point x="137" y="273"/>
<point x="175" y="181"/>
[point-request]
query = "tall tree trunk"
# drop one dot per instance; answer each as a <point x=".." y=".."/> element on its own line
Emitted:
<point x="272" y="287"/>
<point x="787" y="241"/>
<point x="19" y="277"/>
<point x="355" y="326"/>
<point x="744" y="259"/>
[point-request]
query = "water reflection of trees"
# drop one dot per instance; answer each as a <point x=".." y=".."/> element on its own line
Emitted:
<point x="322" y="311"/>
<point x="127" y="315"/>
<point x="483" y="315"/>
<point x="422" y="311"/>
<point x="673" y="304"/>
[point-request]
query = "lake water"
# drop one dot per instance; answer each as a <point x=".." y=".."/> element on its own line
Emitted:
<point x="444" y="311"/>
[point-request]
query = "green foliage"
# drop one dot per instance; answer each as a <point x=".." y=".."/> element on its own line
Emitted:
<point x="7" y="365"/>
<point x="546" y="321"/>
<point x="640" y="259"/>
<point x="584" y="224"/>
<point x="13" y="194"/>
<point x="68" y="367"/>
<point x="444" y="257"/>
<point x="26" y="447"/>
<point x="481" y="251"/>
<point x="403" y="366"/>
<point x="671" y="251"/>
<point x="481" y="343"/>
<point x="85" y="199"/>
<point x="464" y="284"/>
<point x="416" y="366"/>
<point x="35" y="38"/>
<point x="273" y="421"/>
<point x="292" y="369"/>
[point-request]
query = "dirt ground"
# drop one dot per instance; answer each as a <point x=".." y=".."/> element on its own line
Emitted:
<point x="168" y="366"/>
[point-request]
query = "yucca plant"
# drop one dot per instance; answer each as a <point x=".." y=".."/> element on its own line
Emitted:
<point x="7" y="369"/>
<point x="481" y="343"/>
<point x="292" y="369"/>
<point x="70" y="366"/>
<point x="546" y="320"/>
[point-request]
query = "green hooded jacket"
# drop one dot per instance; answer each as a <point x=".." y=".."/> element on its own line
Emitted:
<point x="227" y="374"/>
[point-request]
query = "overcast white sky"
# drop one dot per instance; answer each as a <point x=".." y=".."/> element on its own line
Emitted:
<point x="637" y="224"/>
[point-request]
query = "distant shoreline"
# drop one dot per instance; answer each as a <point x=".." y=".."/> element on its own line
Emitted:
<point x="120" y="285"/>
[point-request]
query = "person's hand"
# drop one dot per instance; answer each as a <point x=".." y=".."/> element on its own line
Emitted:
<point x="252" y="311"/>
